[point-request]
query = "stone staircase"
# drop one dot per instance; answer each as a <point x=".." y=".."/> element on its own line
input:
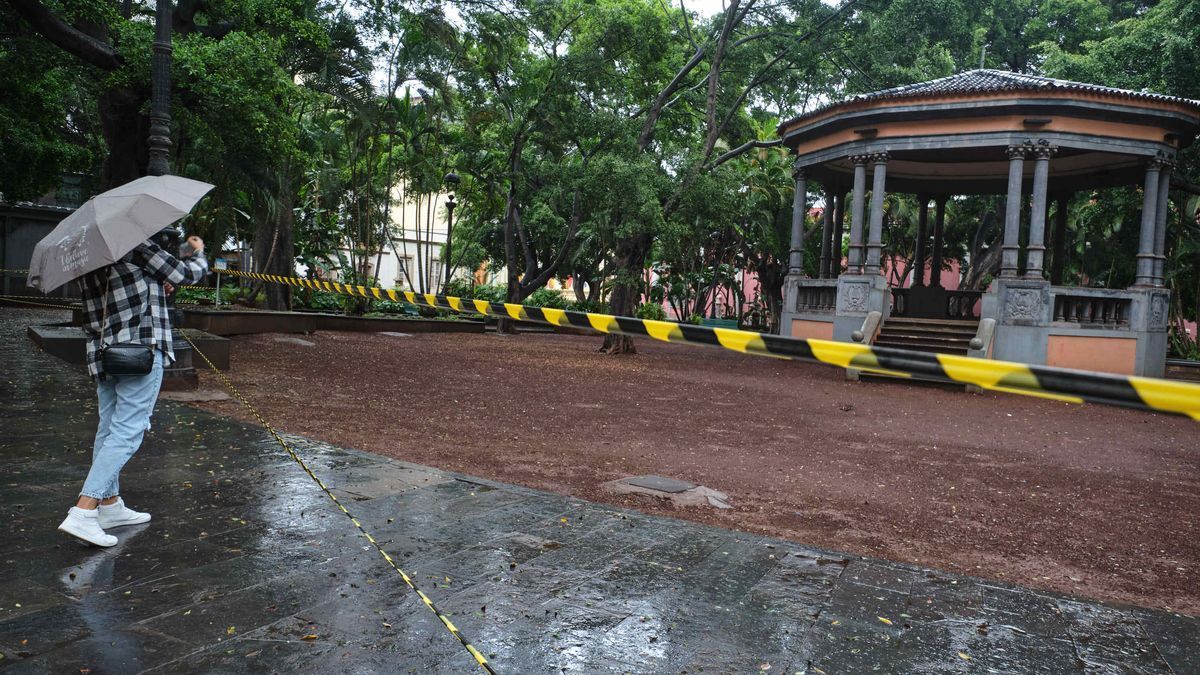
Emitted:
<point x="942" y="336"/>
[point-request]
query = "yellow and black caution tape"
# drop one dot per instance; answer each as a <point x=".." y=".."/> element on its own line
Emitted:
<point x="479" y="657"/>
<point x="41" y="301"/>
<point x="1061" y="384"/>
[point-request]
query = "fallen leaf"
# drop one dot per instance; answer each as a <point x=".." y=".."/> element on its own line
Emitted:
<point x="835" y="622"/>
<point x="765" y="667"/>
<point x="230" y="631"/>
<point x="310" y="636"/>
<point x="887" y="621"/>
<point x="964" y="656"/>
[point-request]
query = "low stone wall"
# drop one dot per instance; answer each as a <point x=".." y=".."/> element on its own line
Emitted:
<point x="68" y="343"/>
<point x="246" y="322"/>
<point x="1181" y="369"/>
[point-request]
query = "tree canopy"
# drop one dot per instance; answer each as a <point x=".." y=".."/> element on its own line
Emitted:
<point x="625" y="145"/>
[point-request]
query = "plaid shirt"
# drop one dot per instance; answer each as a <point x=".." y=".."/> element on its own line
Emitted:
<point x="137" y="302"/>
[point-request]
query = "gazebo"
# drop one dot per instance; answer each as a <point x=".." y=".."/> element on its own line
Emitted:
<point x="986" y="132"/>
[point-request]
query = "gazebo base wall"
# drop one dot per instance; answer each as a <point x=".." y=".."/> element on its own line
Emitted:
<point x="832" y="309"/>
<point x="1118" y="331"/>
<point x="808" y="308"/>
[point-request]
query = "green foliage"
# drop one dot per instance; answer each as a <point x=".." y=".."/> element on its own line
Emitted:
<point x="460" y="288"/>
<point x="651" y="311"/>
<point x="323" y="301"/>
<point x="1181" y="345"/>
<point x="493" y="293"/>
<point x="228" y="294"/>
<point x="319" y="122"/>
<point x="392" y="308"/>
<point x="594" y="306"/>
<point x="547" y="297"/>
<point x="46" y="128"/>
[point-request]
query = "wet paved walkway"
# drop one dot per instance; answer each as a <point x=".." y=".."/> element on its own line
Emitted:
<point x="249" y="567"/>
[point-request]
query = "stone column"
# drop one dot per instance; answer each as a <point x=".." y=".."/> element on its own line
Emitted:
<point x="826" y="234"/>
<point x="939" y="222"/>
<point x="799" y="210"/>
<point x="839" y="229"/>
<point x="856" y="218"/>
<point x="1010" y="250"/>
<point x="1060" y="239"/>
<point x="1037" y="217"/>
<point x="922" y="240"/>
<point x="875" y="234"/>
<point x="1145" y="254"/>
<point x="1160" y="224"/>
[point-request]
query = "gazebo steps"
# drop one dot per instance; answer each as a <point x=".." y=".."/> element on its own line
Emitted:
<point x="927" y="335"/>
<point x="958" y="350"/>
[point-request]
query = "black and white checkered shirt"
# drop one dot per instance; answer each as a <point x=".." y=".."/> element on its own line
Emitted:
<point x="137" y="302"/>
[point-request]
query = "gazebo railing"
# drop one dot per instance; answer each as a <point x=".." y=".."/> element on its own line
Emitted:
<point x="817" y="296"/>
<point x="936" y="303"/>
<point x="1100" y="309"/>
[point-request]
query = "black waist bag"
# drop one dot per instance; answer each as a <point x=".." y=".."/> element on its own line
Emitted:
<point x="123" y="358"/>
<point x="127" y="358"/>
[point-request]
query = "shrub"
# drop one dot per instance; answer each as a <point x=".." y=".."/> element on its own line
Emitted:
<point x="491" y="293"/>
<point x="695" y="319"/>
<point x="460" y="288"/>
<point x="324" y="301"/>
<point x="547" y="297"/>
<point x="389" y="307"/>
<point x="228" y="292"/>
<point x="594" y="306"/>
<point x="651" y="311"/>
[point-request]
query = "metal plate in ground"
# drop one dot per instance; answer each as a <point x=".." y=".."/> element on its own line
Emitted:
<point x="660" y="483"/>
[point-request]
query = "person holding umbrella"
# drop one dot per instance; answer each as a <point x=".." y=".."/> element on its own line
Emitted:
<point x="124" y="279"/>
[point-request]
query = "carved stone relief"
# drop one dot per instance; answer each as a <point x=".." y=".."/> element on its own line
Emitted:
<point x="1023" y="304"/>
<point x="854" y="297"/>
<point x="1158" y="312"/>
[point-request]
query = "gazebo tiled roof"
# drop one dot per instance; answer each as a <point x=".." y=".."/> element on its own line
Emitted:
<point x="987" y="81"/>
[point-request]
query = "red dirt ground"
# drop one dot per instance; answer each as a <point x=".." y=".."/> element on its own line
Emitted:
<point x="1090" y="500"/>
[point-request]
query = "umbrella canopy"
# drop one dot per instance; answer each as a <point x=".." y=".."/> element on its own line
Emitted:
<point x="110" y="225"/>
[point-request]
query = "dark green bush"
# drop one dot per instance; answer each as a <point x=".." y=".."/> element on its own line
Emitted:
<point x="594" y="306"/>
<point x="652" y="312"/>
<point x="547" y="297"/>
<point x="492" y="293"/>
<point x="460" y="288"/>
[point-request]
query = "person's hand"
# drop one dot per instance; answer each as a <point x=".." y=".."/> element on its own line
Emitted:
<point x="196" y="243"/>
<point x="168" y="287"/>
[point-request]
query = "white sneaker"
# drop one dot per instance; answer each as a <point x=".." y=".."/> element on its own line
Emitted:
<point x="119" y="515"/>
<point x="85" y="525"/>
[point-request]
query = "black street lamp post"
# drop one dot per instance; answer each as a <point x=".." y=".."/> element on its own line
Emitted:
<point x="452" y="180"/>
<point x="160" y="92"/>
<point x="181" y="374"/>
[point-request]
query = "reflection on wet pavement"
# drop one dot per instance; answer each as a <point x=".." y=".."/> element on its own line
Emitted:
<point x="247" y="566"/>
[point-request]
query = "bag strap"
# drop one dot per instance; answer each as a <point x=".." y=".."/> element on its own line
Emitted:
<point x="104" y="317"/>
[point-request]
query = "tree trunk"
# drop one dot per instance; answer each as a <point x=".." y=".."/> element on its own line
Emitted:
<point x="577" y="286"/>
<point x="274" y="250"/>
<point x="508" y="326"/>
<point x="627" y="291"/>
<point x="126" y="132"/>
<point x="770" y="286"/>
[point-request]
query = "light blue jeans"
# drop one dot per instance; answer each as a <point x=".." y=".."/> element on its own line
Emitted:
<point x="126" y="404"/>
